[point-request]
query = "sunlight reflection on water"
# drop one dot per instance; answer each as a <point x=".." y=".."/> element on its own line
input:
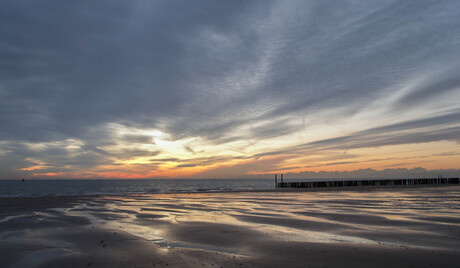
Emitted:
<point x="394" y="217"/>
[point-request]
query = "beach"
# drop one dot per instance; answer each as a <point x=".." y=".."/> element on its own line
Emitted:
<point x="360" y="227"/>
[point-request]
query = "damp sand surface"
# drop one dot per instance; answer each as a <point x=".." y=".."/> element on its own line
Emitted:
<point x="372" y="227"/>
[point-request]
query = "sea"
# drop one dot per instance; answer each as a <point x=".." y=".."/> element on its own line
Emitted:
<point x="69" y="187"/>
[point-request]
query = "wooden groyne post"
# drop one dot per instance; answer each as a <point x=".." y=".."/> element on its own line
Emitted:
<point x="277" y="185"/>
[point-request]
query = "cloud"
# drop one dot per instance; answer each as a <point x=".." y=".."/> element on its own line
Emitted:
<point x="433" y="86"/>
<point x="186" y="165"/>
<point x="448" y="119"/>
<point x="240" y="169"/>
<point x="138" y="139"/>
<point x="384" y="139"/>
<point x="405" y="132"/>
<point x="83" y="69"/>
<point x="421" y="131"/>
<point x="189" y="149"/>
<point x="266" y="73"/>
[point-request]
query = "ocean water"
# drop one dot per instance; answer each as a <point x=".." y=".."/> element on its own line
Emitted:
<point x="28" y="188"/>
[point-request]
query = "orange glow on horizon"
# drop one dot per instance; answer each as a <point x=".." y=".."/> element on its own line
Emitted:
<point x="229" y="164"/>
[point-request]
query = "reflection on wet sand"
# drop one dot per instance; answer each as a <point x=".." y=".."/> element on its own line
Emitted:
<point x="416" y="226"/>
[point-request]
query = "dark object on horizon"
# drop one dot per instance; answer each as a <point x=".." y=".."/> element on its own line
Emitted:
<point x="349" y="183"/>
<point x="22" y="179"/>
<point x="276" y="179"/>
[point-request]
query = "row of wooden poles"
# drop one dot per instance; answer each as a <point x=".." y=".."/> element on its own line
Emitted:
<point x="348" y="183"/>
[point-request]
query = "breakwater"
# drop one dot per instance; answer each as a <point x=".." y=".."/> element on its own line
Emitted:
<point x="351" y="183"/>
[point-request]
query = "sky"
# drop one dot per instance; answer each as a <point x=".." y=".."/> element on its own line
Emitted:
<point x="228" y="89"/>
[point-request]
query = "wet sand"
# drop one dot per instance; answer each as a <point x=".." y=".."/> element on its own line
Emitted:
<point x="372" y="227"/>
